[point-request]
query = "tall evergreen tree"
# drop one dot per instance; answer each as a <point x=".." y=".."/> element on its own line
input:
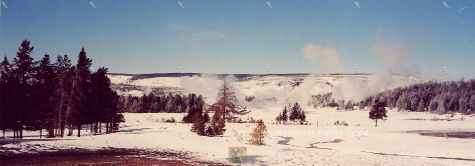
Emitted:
<point x="4" y="111"/>
<point x="218" y="122"/>
<point x="377" y="112"/>
<point x="64" y="78"/>
<point x="228" y="102"/>
<point x="104" y="101"/>
<point x="44" y="99"/>
<point x="23" y="74"/>
<point x="80" y="90"/>
<point x="295" y="112"/>
<point x="285" y="118"/>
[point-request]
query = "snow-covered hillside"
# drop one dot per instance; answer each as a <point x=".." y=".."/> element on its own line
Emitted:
<point x="266" y="89"/>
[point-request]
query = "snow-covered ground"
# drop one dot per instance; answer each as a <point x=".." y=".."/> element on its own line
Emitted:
<point x="321" y="143"/>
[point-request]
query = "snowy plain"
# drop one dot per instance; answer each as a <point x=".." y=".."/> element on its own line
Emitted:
<point x="393" y="142"/>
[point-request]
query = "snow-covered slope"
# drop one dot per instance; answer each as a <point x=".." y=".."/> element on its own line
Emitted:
<point x="266" y="89"/>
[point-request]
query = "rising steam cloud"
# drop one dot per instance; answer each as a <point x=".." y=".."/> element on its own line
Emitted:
<point x="328" y="58"/>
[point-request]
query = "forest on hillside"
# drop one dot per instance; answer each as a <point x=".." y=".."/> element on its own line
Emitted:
<point x="432" y="96"/>
<point x="438" y="97"/>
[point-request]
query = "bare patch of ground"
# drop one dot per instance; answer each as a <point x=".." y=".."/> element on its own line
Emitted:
<point x="106" y="156"/>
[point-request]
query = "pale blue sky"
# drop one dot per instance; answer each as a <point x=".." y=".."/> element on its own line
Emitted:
<point x="248" y="36"/>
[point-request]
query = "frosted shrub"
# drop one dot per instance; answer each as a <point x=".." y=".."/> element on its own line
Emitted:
<point x="258" y="134"/>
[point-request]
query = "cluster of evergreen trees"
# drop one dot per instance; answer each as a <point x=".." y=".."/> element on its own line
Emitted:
<point x="202" y="124"/>
<point x="226" y="108"/>
<point x="326" y="100"/>
<point x="439" y="97"/>
<point x="38" y="95"/>
<point x="152" y="103"/>
<point x="296" y="114"/>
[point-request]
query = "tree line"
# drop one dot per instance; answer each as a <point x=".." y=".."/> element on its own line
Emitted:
<point x="55" y="96"/>
<point x="153" y="103"/>
<point x="438" y="97"/>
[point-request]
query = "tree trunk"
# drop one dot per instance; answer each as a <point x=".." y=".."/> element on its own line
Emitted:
<point x="376" y="123"/>
<point x="41" y="133"/>
<point x="21" y="131"/>
<point x="100" y="128"/>
<point x="107" y="127"/>
<point x="51" y="132"/>
<point x="224" y="99"/>
<point x="79" y="130"/>
<point x="91" y="128"/>
<point x="61" y="132"/>
<point x="60" y="112"/>
<point x="70" y="130"/>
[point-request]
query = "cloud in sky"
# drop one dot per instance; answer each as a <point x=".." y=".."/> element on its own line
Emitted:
<point x="92" y="4"/>
<point x="356" y="3"/>
<point x="446" y="4"/>
<point x="180" y="3"/>
<point x="390" y="53"/>
<point x="269" y="4"/>
<point x="4" y="4"/>
<point x="329" y="58"/>
<point x="463" y="9"/>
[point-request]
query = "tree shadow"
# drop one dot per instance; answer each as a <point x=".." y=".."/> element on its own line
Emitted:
<point x="285" y="140"/>
<point x="432" y="157"/>
<point x="446" y="134"/>
<point x="133" y="130"/>
<point x="16" y="141"/>
<point x="314" y="145"/>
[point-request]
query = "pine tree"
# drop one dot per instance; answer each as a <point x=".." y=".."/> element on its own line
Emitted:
<point x="302" y="117"/>
<point x="23" y="74"/>
<point x="101" y="98"/>
<point x="80" y="90"/>
<point x="64" y="78"/>
<point x="378" y="111"/>
<point x="228" y="102"/>
<point x="285" y="118"/>
<point x="199" y="124"/>
<point x="278" y="119"/>
<point x="282" y="117"/>
<point x="210" y="131"/>
<point x="105" y="103"/>
<point x="195" y="107"/>
<point x="44" y="96"/>
<point x="4" y="111"/>
<point x="10" y="87"/>
<point x="258" y="134"/>
<point x="295" y="112"/>
<point x="218" y="122"/>
<point x="196" y="115"/>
